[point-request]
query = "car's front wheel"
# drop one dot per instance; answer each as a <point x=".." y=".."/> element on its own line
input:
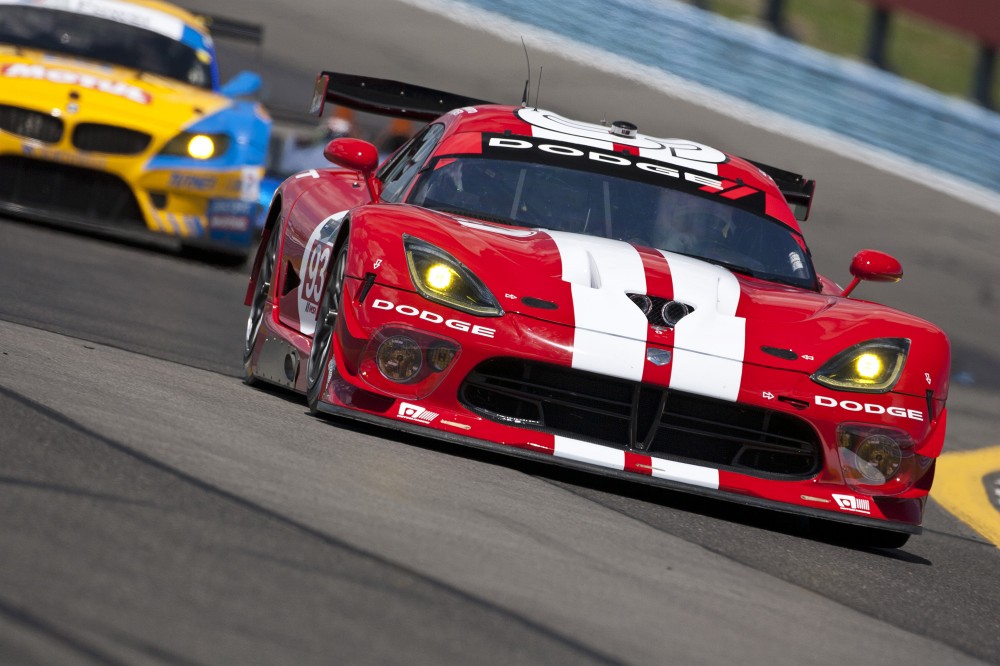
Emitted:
<point x="258" y="305"/>
<point x="322" y="342"/>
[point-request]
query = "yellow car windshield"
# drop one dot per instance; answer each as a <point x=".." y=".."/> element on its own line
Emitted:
<point x="91" y="37"/>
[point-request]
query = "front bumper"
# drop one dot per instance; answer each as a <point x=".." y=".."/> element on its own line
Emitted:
<point x="785" y="440"/>
<point x="216" y="210"/>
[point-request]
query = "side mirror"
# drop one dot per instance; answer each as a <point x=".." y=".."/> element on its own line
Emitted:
<point x="244" y="84"/>
<point x="873" y="266"/>
<point x="359" y="156"/>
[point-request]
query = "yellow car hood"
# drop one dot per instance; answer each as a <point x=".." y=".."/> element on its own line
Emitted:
<point x="84" y="91"/>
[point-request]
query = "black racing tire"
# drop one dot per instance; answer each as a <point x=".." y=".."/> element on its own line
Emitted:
<point x="258" y="304"/>
<point x="326" y="320"/>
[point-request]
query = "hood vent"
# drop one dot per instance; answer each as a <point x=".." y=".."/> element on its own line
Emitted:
<point x="661" y="312"/>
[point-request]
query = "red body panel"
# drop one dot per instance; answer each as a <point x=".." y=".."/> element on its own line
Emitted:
<point x="750" y="346"/>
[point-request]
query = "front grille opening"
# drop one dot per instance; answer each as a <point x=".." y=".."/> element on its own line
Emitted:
<point x="159" y="200"/>
<point x="30" y="124"/>
<point x="69" y="191"/>
<point x="640" y="417"/>
<point x="110" y="139"/>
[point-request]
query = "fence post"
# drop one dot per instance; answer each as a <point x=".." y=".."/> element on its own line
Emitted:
<point x="774" y="14"/>
<point x="878" y="33"/>
<point x="982" y="81"/>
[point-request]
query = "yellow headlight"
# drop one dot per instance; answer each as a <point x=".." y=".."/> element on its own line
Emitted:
<point x="201" y="147"/>
<point x="872" y="366"/>
<point x="869" y="366"/>
<point x="439" y="277"/>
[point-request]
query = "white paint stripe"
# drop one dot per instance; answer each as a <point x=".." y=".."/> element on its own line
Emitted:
<point x="308" y="307"/>
<point x="605" y="456"/>
<point x="708" y="98"/>
<point x="706" y="477"/>
<point x="709" y="343"/>
<point x="610" y="335"/>
<point x="171" y="224"/>
<point x="595" y="454"/>
<point x="542" y="133"/>
<point x="119" y="12"/>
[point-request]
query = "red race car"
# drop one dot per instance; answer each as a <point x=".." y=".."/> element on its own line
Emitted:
<point x="594" y="297"/>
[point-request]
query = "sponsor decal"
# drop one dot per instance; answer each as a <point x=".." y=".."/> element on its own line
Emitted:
<point x="250" y="178"/>
<point x="230" y="214"/>
<point x="186" y="181"/>
<point x="416" y="413"/>
<point x="434" y="318"/>
<point x="869" y="408"/>
<point x="680" y="152"/>
<point x="853" y="504"/>
<point x="654" y="167"/>
<point x="63" y="157"/>
<point x="315" y="259"/>
<point x="617" y="159"/>
<point x="70" y="78"/>
<point x="810" y="498"/>
<point x="229" y="222"/>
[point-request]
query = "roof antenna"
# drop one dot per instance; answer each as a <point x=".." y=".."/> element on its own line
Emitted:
<point x="527" y="82"/>
<point x="538" y="88"/>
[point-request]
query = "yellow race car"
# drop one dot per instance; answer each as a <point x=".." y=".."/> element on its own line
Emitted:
<point x="113" y="119"/>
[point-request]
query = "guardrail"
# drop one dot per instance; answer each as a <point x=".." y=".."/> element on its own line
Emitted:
<point x="980" y="19"/>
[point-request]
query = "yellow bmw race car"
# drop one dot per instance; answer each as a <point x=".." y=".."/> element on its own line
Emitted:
<point x="113" y="119"/>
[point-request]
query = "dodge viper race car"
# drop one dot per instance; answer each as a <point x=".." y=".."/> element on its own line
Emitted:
<point x="588" y="295"/>
<point x="112" y="119"/>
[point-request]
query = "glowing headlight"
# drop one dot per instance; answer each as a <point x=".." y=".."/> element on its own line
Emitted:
<point x="872" y="367"/>
<point x="441" y="278"/>
<point x="868" y="366"/>
<point x="197" y="146"/>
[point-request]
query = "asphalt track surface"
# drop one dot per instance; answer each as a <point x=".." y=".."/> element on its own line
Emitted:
<point x="153" y="509"/>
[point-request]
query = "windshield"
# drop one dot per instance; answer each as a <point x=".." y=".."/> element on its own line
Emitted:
<point x="599" y="204"/>
<point x="82" y="36"/>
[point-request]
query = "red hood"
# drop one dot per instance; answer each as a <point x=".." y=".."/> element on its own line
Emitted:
<point x="583" y="281"/>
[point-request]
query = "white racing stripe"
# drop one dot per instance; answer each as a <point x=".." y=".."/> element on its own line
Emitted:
<point x="595" y="454"/>
<point x="709" y="343"/>
<point x="605" y="456"/>
<point x="706" y="477"/>
<point x="610" y="334"/>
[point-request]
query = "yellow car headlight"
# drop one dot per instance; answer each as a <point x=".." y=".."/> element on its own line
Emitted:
<point x="441" y="278"/>
<point x="197" y="145"/>
<point x="873" y="366"/>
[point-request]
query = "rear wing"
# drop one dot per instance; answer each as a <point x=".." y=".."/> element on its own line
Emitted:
<point x="385" y="97"/>
<point x="226" y="28"/>
<point x="797" y="190"/>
